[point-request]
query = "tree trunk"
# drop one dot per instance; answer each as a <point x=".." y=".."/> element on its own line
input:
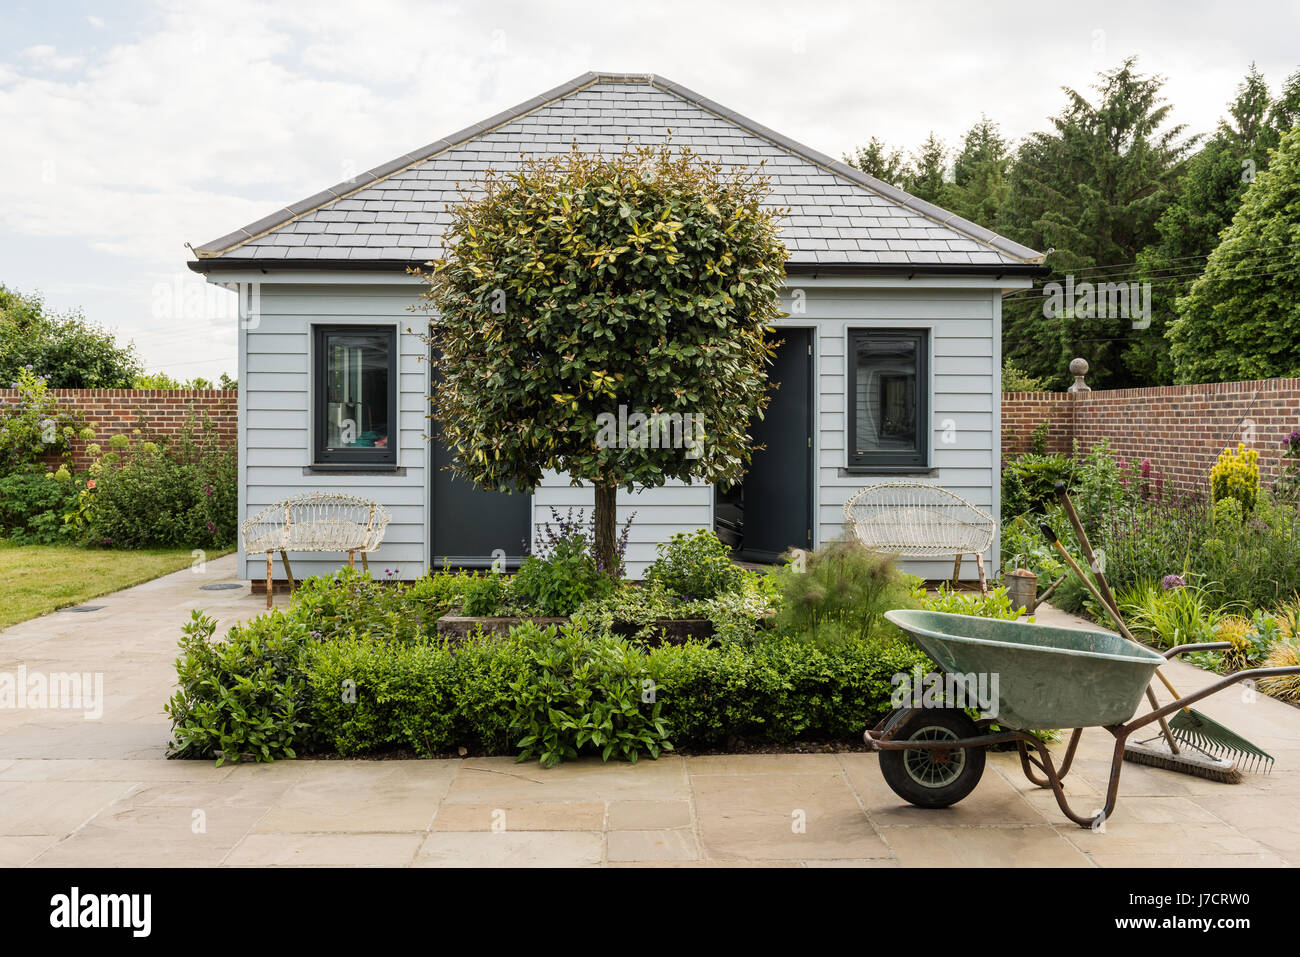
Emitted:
<point x="605" y="519"/>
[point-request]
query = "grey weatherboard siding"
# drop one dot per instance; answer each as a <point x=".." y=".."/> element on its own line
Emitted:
<point x="862" y="254"/>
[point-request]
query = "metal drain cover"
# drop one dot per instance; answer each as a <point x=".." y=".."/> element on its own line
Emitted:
<point x="221" y="586"/>
<point x="82" y="608"/>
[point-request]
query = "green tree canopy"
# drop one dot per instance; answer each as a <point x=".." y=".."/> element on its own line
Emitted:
<point x="70" y="351"/>
<point x="580" y="287"/>
<point x="878" y="160"/>
<point x="927" y="177"/>
<point x="1205" y="201"/>
<point x="161" y="380"/>
<point x="979" y="175"/>
<point x="1092" y="190"/>
<point x="1241" y="318"/>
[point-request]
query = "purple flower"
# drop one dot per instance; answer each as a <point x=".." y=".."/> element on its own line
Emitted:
<point x="1170" y="582"/>
<point x="211" y="527"/>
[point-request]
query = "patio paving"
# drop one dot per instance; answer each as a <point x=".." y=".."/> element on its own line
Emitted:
<point x="99" y="792"/>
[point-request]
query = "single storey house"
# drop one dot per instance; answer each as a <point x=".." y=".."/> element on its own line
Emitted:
<point x="889" y="367"/>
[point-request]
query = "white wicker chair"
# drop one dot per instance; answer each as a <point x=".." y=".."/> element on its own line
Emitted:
<point x="920" y="520"/>
<point x="315" y="522"/>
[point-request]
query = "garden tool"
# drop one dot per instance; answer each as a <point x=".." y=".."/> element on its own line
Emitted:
<point x="1192" y="742"/>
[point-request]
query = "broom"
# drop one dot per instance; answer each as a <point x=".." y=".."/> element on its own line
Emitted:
<point x="1208" y="749"/>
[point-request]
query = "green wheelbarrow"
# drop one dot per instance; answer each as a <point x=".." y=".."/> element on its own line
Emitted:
<point x="1022" y="677"/>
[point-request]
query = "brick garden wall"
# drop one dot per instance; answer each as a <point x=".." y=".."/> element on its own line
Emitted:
<point x="113" y="411"/>
<point x="1180" y="428"/>
<point x="1023" y="412"/>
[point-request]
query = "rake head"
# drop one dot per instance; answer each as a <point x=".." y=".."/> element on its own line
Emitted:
<point x="1194" y="729"/>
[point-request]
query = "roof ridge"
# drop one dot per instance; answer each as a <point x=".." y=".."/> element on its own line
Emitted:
<point x="288" y="214"/>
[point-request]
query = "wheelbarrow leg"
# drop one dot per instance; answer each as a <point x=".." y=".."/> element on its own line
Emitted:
<point x="1028" y="762"/>
<point x="1101" y="816"/>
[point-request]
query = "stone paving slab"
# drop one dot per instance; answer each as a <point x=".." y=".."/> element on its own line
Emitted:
<point x="77" y="792"/>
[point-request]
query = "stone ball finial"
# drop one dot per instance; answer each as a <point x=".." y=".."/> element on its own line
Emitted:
<point x="1079" y="369"/>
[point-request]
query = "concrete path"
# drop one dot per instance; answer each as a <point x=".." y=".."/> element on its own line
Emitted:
<point x="98" y="792"/>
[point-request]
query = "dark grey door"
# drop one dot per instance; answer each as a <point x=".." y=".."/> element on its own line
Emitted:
<point x="470" y="526"/>
<point x="771" y="510"/>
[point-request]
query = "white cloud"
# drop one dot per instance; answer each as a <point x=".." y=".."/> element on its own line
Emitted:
<point x="213" y="113"/>
<point x="45" y="57"/>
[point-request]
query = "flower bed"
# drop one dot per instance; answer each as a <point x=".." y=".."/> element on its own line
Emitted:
<point x="1184" y="569"/>
<point x="354" y="666"/>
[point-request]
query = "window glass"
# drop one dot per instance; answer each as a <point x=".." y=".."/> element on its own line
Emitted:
<point x="888" y="397"/>
<point x="355" y="398"/>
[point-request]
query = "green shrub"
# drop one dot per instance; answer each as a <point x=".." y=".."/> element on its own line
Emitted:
<point x="1166" y="617"/>
<point x="581" y="690"/>
<point x="1015" y="379"/>
<point x="372" y="694"/>
<point x="737" y="616"/>
<point x="1149" y="540"/>
<point x="554" y="585"/>
<point x="485" y="595"/>
<point x="245" y="696"/>
<point x="780" y="690"/>
<point x="695" y="564"/>
<point x="32" y="426"/>
<point x="180" y="494"/>
<point x="350" y="602"/>
<point x="1235" y="476"/>
<point x="331" y="671"/>
<point x="1100" y="485"/>
<point x="1029" y="481"/>
<point x="996" y="604"/>
<point x="32" y="506"/>
<point x="842" y="588"/>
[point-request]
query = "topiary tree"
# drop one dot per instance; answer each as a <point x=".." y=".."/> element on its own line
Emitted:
<point x="1241" y="319"/>
<point x="605" y="317"/>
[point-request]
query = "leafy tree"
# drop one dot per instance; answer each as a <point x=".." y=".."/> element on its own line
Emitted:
<point x="979" y="175"/>
<point x="1092" y="190"/>
<point x="68" y="350"/>
<point x="577" y="285"/>
<point x="1205" y="201"/>
<point x="161" y="380"/>
<point x="1241" y="319"/>
<point x="878" y="160"/>
<point x="926" y="178"/>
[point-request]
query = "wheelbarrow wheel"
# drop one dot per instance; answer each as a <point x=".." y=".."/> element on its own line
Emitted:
<point x="934" y="778"/>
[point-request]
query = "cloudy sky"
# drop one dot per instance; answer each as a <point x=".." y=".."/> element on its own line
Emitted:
<point x="130" y="128"/>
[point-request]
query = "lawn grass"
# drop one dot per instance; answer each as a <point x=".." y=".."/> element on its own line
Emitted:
<point x="37" y="579"/>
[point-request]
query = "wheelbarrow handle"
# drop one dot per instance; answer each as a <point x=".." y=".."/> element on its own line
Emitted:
<point x="1252" y="675"/>
<point x="1202" y="646"/>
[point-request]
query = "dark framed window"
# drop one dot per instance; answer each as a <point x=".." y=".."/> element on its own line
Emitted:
<point x="889" y="397"/>
<point x="355" y="396"/>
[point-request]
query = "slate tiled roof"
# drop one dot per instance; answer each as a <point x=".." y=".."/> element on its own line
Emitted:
<point x="397" y="212"/>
